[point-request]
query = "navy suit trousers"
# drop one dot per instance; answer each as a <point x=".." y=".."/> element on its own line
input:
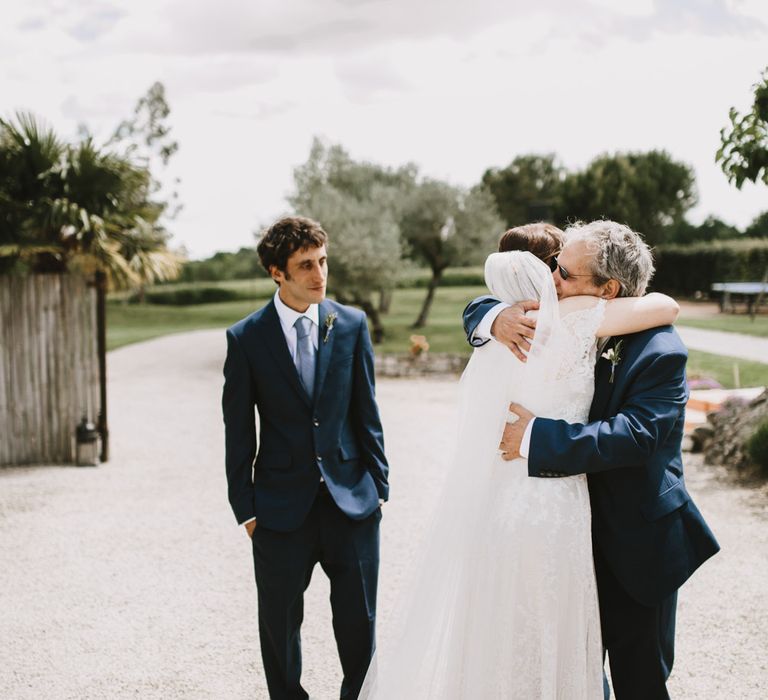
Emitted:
<point x="639" y="639"/>
<point x="348" y="552"/>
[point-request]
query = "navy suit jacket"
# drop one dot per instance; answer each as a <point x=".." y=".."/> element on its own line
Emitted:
<point x="643" y="519"/>
<point x="336" y="435"/>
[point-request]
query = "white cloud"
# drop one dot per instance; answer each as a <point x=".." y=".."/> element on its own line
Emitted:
<point x="453" y="86"/>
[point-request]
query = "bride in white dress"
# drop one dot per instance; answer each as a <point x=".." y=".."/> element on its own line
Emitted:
<point x="504" y="603"/>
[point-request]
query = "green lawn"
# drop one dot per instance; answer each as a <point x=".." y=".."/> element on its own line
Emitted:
<point x="443" y="330"/>
<point x="729" y="323"/>
<point x="720" y="367"/>
<point x="131" y="323"/>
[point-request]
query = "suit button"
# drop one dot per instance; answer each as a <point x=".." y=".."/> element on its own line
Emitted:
<point x="319" y="458"/>
<point x="316" y="423"/>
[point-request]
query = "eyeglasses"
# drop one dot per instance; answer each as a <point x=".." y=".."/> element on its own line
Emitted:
<point x="563" y="272"/>
<point x="551" y="262"/>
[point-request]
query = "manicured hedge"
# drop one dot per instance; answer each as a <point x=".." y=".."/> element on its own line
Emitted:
<point x="685" y="270"/>
<point x="191" y="296"/>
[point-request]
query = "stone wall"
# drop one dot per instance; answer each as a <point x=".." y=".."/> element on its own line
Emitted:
<point x="427" y="364"/>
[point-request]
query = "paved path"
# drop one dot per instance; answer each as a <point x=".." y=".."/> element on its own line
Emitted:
<point x="746" y="347"/>
<point x="132" y="580"/>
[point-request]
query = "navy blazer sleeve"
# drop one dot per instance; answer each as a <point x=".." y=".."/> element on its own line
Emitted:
<point x="654" y="402"/>
<point x="238" y="403"/>
<point x="365" y="412"/>
<point x="473" y="314"/>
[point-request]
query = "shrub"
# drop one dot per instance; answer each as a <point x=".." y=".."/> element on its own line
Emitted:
<point x="757" y="446"/>
<point x="191" y="296"/>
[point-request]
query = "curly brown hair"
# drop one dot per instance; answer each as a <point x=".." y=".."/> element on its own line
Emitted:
<point x="283" y="238"/>
<point x="542" y="239"/>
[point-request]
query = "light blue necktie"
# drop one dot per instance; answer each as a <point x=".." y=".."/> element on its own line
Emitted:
<point x="305" y="353"/>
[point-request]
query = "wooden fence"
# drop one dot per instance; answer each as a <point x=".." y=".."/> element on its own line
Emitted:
<point x="48" y="366"/>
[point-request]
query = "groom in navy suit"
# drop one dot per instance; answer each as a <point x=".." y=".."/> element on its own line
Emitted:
<point x="310" y="489"/>
<point x="648" y="535"/>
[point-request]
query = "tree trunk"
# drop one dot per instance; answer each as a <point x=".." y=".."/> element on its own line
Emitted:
<point x="375" y="317"/>
<point x="421" y="321"/>
<point x="385" y="300"/>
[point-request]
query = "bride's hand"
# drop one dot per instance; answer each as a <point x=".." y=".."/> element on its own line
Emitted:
<point x="513" y="328"/>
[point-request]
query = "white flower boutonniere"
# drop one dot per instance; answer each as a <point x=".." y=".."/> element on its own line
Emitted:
<point x="613" y="355"/>
<point x="330" y="319"/>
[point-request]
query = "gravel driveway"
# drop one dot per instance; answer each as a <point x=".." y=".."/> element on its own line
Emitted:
<point x="132" y="580"/>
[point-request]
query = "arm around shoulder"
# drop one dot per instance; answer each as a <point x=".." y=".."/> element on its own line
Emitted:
<point x="634" y="314"/>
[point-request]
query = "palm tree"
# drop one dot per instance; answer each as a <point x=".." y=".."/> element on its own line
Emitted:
<point x="72" y="206"/>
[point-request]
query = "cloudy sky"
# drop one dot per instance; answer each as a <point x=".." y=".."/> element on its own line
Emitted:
<point x="455" y="86"/>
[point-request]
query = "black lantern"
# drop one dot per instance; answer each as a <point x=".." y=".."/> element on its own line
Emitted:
<point x="87" y="444"/>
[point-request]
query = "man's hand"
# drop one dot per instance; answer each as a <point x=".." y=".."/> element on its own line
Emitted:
<point x="514" y="431"/>
<point x="513" y="328"/>
<point x="250" y="527"/>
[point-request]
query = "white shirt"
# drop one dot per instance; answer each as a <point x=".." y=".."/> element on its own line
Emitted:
<point x="483" y="330"/>
<point x="288" y="317"/>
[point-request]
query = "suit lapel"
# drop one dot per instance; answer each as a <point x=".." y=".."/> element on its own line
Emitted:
<point x="279" y="348"/>
<point x="324" y="346"/>
<point x="603" y="385"/>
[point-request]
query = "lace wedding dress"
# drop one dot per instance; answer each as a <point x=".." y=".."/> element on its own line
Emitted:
<point x="504" y="603"/>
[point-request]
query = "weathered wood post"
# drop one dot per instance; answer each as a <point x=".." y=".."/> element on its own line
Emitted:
<point x="101" y="340"/>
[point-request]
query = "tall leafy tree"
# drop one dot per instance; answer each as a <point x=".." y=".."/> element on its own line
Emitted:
<point x="359" y="204"/>
<point x="648" y="191"/>
<point x="145" y="137"/>
<point x="758" y="228"/>
<point x="527" y="189"/>
<point x="743" y="152"/>
<point x="446" y="226"/>
<point x="711" y="229"/>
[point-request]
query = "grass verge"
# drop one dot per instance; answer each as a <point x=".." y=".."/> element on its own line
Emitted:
<point x="721" y="368"/>
<point x="132" y="323"/>
<point x="730" y="323"/>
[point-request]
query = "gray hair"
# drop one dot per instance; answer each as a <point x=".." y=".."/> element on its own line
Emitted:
<point x="619" y="253"/>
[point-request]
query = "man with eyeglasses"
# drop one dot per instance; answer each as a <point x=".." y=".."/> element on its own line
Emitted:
<point x="648" y="536"/>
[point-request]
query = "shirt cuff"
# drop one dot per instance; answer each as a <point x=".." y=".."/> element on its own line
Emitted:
<point x="483" y="330"/>
<point x="525" y="444"/>
<point x="250" y="520"/>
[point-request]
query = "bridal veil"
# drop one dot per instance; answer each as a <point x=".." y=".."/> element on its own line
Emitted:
<point x="431" y="653"/>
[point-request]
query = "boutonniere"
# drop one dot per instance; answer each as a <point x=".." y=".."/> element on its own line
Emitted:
<point x="613" y="355"/>
<point x="330" y="319"/>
